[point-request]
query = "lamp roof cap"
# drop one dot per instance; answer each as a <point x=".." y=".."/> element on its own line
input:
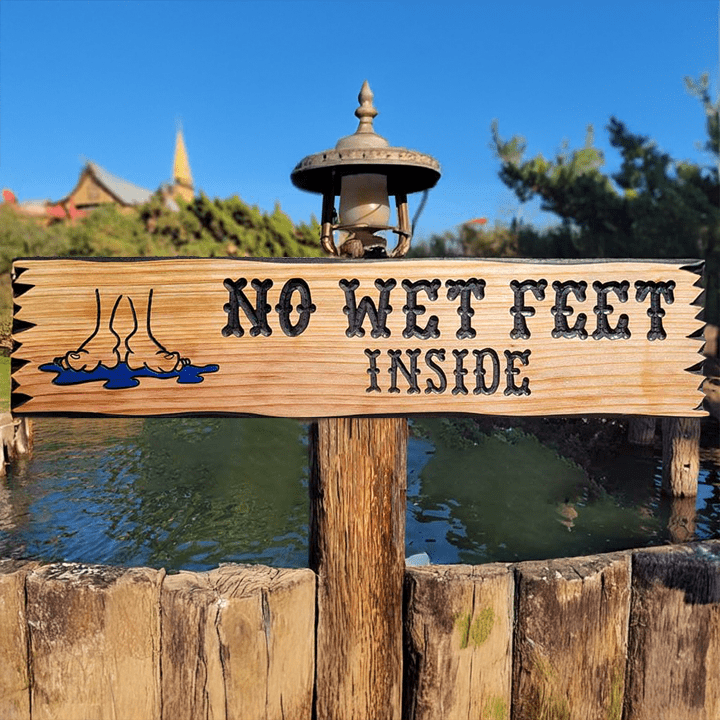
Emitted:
<point x="365" y="151"/>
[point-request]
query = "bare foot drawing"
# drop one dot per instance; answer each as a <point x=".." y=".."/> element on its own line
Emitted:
<point x="100" y="347"/>
<point x="125" y="336"/>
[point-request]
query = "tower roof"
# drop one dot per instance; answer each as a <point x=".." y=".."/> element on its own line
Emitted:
<point x="181" y="165"/>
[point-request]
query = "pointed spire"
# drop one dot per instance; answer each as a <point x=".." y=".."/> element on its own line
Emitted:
<point x="181" y="165"/>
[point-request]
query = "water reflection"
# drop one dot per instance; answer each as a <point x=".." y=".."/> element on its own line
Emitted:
<point x="677" y="514"/>
<point x="507" y="497"/>
<point x="192" y="493"/>
<point x="181" y="493"/>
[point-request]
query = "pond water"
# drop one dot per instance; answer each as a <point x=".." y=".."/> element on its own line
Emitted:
<point x="191" y="493"/>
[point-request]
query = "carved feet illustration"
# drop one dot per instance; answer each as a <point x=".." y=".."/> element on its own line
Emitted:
<point x="122" y="334"/>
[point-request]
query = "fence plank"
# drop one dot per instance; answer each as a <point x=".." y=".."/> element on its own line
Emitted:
<point x="95" y="640"/>
<point x="571" y="638"/>
<point x="238" y="642"/>
<point x="14" y="674"/>
<point x="674" y="644"/>
<point x="357" y="547"/>
<point x="190" y="682"/>
<point x="458" y="642"/>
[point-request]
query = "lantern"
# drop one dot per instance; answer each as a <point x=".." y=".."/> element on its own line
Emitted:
<point x="365" y="171"/>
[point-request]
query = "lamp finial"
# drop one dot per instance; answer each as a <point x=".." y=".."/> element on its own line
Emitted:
<point x="365" y="135"/>
<point x="366" y="112"/>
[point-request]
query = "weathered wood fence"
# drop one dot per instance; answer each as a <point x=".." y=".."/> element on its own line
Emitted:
<point x="622" y="636"/>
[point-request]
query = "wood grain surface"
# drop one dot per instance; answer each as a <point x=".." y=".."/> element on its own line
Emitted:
<point x="238" y="644"/>
<point x="450" y="336"/>
<point x="82" y="642"/>
<point x="674" y="644"/>
<point x="681" y="456"/>
<point x="95" y="642"/>
<point x="458" y="642"/>
<point x="632" y="635"/>
<point x="571" y="637"/>
<point x="358" y="492"/>
<point x="14" y="665"/>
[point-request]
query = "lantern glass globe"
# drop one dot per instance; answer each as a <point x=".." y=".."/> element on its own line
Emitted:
<point x="364" y="200"/>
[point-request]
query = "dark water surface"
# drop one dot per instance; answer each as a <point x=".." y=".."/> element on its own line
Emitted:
<point x="191" y="493"/>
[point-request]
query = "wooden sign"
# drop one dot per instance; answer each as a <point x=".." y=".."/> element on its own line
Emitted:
<point x="324" y="338"/>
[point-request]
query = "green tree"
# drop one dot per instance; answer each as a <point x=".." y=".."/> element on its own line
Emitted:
<point x="470" y="240"/>
<point x="109" y="232"/>
<point x="653" y="207"/>
<point x="20" y="237"/>
<point x="212" y="228"/>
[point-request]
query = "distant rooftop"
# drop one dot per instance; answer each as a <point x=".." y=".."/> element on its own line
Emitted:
<point x="123" y="190"/>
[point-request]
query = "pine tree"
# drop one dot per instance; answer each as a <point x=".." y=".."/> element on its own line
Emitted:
<point x="653" y="207"/>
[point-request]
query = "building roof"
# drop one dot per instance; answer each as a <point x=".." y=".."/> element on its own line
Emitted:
<point x="123" y="190"/>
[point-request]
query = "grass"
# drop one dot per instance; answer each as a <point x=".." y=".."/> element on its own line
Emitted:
<point x="5" y="305"/>
<point x="4" y="384"/>
<point x="5" y="329"/>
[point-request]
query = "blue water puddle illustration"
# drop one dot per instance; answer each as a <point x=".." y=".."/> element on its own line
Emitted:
<point x="122" y="376"/>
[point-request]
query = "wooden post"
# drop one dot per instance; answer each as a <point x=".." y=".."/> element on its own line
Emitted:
<point x="237" y="644"/>
<point x="641" y="430"/>
<point x="94" y="641"/>
<point x="681" y="456"/>
<point x="357" y="548"/>
<point x="7" y="440"/>
<point x="15" y="439"/>
<point x="14" y="665"/>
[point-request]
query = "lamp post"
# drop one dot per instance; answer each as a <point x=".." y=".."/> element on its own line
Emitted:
<point x="364" y="170"/>
<point x="358" y="466"/>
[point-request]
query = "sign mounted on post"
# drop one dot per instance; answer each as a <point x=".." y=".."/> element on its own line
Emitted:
<point x="324" y="338"/>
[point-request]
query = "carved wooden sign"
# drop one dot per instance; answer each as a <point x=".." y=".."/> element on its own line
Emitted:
<point x="323" y="338"/>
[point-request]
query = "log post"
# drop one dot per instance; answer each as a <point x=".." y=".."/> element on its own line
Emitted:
<point x="458" y="642"/>
<point x="237" y="644"/>
<point x="571" y="637"/>
<point x="674" y="643"/>
<point x="15" y="439"/>
<point x="681" y="456"/>
<point x="94" y="640"/>
<point x="641" y="430"/>
<point x="14" y="662"/>
<point x="357" y="548"/>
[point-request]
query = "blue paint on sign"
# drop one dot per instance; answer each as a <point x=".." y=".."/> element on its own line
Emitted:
<point x="122" y="376"/>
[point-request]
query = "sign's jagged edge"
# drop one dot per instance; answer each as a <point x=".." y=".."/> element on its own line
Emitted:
<point x="698" y="268"/>
<point x="19" y="288"/>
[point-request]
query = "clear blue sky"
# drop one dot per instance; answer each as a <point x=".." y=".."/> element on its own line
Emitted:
<point x="259" y="85"/>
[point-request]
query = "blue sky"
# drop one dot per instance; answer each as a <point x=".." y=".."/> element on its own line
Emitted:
<point x="259" y="85"/>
